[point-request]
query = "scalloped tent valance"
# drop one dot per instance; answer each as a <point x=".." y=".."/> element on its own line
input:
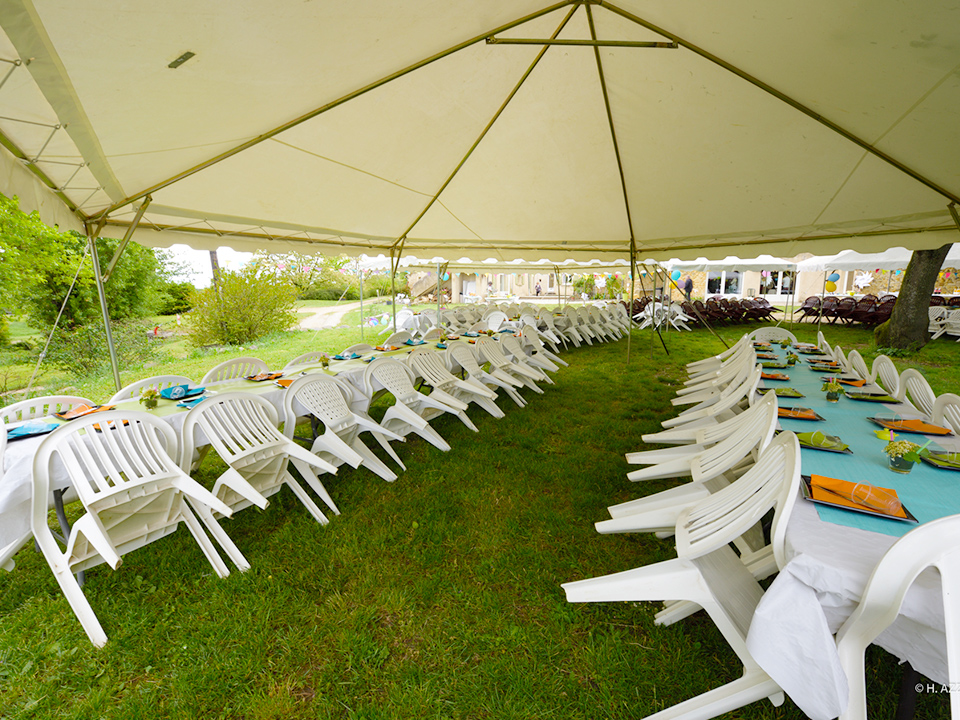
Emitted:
<point x="513" y="129"/>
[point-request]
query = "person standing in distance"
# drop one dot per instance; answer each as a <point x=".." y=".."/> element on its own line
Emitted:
<point x="687" y="287"/>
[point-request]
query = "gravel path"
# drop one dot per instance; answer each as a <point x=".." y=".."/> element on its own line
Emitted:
<point x="326" y="317"/>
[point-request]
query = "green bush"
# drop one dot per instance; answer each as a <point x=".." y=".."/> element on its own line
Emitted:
<point x="83" y="352"/>
<point x="4" y="330"/>
<point x="242" y="307"/>
<point x="175" y="298"/>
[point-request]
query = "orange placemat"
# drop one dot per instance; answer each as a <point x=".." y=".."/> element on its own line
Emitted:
<point x="917" y="426"/>
<point x="841" y="493"/>
<point x="81" y="410"/>
<point x="855" y="383"/>
<point x="798" y="414"/>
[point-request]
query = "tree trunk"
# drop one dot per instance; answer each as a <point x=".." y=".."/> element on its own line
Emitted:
<point x="215" y="266"/>
<point x="907" y="326"/>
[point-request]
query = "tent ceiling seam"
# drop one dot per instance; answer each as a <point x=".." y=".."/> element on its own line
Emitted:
<point x="797" y="105"/>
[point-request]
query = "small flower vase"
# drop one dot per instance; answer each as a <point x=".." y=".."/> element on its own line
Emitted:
<point x="791" y="360"/>
<point x="149" y="403"/>
<point x="324" y="361"/>
<point x="833" y="396"/>
<point x="900" y="465"/>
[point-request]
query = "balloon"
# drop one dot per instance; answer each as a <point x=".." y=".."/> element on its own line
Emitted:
<point x="675" y="275"/>
<point x="831" y="286"/>
<point x="833" y="277"/>
<point x="446" y="276"/>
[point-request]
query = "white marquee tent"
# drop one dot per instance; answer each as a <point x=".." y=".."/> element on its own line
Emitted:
<point x="514" y="129"/>
<point x="892" y="259"/>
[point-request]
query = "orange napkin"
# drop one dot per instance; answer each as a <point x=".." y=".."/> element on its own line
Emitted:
<point x="918" y="426"/>
<point x="856" y="495"/>
<point x="265" y="376"/>
<point x="797" y="413"/>
<point x="81" y="410"/>
<point x="855" y="383"/>
<point x="774" y="376"/>
<point x="286" y="382"/>
<point x="386" y="348"/>
<point x="831" y="363"/>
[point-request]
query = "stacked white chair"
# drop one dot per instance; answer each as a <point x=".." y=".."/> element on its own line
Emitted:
<point x="431" y="367"/>
<point x="242" y="428"/>
<point x="234" y="369"/>
<point x="533" y="344"/>
<point x="132" y="492"/>
<point x="513" y="350"/>
<point x="707" y="572"/>
<point x="326" y="399"/>
<point x="546" y="325"/>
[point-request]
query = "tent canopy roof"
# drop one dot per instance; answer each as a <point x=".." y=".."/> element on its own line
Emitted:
<point x="367" y="126"/>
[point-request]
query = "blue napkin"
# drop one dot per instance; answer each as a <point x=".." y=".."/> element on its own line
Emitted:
<point x="471" y="334"/>
<point x="190" y="404"/>
<point x="348" y="356"/>
<point x="30" y="429"/>
<point x="414" y="342"/>
<point x="441" y="346"/>
<point x="177" y="392"/>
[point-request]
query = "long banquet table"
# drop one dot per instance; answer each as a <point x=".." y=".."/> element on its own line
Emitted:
<point x="832" y="553"/>
<point x="16" y="476"/>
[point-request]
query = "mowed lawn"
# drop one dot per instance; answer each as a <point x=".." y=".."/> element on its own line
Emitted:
<point x="436" y="596"/>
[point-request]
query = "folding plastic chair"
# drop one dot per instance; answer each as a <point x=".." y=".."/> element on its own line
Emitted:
<point x="160" y="382"/>
<point x="133" y="493"/>
<point x="935" y="544"/>
<point x="326" y="399"/>
<point x="242" y="428"/>
<point x="234" y="369"/>
<point x="707" y="573"/>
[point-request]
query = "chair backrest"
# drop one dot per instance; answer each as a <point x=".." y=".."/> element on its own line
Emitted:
<point x="946" y="412"/>
<point x="41" y="407"/>
<point x="727" y="514"/>
<point x="430" y="366"/>
<point x="232" y="369"/>
<point x="823" y="344"/>
<point x="915" y="390"/>
<point x="934" y="544"/>
<point x="750" y="438"/>
<point x="309" y="358"/>
<point x="398" y="338"/>
<point x="772" y="334"/>
<point x="396" y="378"/>
<point x="490" y="351"/>
<point x="321" y="395"/>
<point x="886" y="374"/>
<point x="361" y="348"/>
<point x="160" y="382"/>
<point x="431" y="334"/>
<point x="460" y="354"/>
<point x="495" y="320"/>
<point x="859" y="365"/>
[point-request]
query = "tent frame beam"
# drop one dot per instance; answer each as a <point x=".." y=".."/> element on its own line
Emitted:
<point x="487" y="127"/>
<point x="582" y="43"/>
<point x="843" y="132"/>
<point x="126" y="239"/>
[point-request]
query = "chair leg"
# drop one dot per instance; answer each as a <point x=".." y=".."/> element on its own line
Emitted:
<point x="372" y="462"/>
<point x="754" y="685"/>
<point x="219" y="534"/>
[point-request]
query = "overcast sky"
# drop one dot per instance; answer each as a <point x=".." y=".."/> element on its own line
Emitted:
<point x="199" y="263"/>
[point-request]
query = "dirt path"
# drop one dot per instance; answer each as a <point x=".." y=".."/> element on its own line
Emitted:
<point x="326" y="317"/>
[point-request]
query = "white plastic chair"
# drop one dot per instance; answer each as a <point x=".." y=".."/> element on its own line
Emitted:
<point x="547" y="326"/>
<point x="935" y="544"/>
<point x="489" y="350"/>
<point x="398" y="338"/>
<point x="916" y="392"/>
<point x="495" y="320"/>
<point x="358" y="348"/>
<point x="133" y="493"/>
<point x="823" y="344"/>
<point x="160" y="382"/>
<point x="937" y="320"/>
<point x="460" y="355"/>
<point x="730" y="401"/>
<point x="326" y="399"/>
<point x="310" y="358"/>
<point x="40" y="407"/>
<point x="513" y="350"/>
<point x="530" y="339"/>
<point x="233" y="369"/>
<point x="709" y="574"/>
<point x="859" y="366"/>
<point x="408" y="413"/>
<point x="431" y="367"/>
<point x="886" y="375"/>
<point x="772" y="334"/>
<point x="713" y="363"/>
<point x="946" y="412"/>
<point x="242" y="428"/>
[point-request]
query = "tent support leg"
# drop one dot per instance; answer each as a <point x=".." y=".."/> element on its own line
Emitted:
<point x="95" y="260"/>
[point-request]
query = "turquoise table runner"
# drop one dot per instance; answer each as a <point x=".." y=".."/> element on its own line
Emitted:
<point x="927" y="492"/>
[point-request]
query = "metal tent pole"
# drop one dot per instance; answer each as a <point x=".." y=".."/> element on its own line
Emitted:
<point x="95" y="259"/>
<point x="360" y="269"/>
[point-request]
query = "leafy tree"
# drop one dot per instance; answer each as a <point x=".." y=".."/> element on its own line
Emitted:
<point x="175" y="297"/>
<point x="907" y="327"/>
<point x="305" y="272"/>
<point x="243" y="306"/>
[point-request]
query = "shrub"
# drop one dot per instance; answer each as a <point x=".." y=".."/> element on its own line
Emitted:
<point x="83" y="351"/>
<point x="242" y="307"/>
<point x="175" y="298"/>
<point x="4" y="329"/>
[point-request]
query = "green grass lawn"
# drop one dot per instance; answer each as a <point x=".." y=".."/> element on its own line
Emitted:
<point x="435" y="596"/>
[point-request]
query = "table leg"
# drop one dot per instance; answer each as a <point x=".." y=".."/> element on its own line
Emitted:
<point x="907" y="705"/>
